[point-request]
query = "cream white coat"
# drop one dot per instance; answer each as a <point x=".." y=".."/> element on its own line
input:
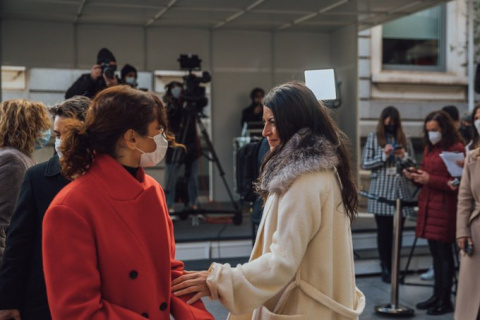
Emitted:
<point x="302" y="264"/>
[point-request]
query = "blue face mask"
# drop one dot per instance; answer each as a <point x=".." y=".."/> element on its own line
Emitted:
<point x="176" y="92"/>
<point x="43" y="139"/>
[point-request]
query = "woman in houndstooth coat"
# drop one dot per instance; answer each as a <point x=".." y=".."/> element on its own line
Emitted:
<point x="384" y="150"/>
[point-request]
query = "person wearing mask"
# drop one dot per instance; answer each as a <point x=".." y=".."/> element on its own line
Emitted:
<point x="101" y="76"/>
<point x="475" y="128"/>
<point x="108" y="245"/>
<point x="183" y="124"/>
<point x="467" y="301"/>
<point x="465" y="130"/>
<point x="24" y="127"/>
<point x="302" y="265"/>
<point x="254" y="112"/>
<point x="437" y="205"/>
<point x="129" y="75"/>
<point x="383" y="154"/>
<point x="22" y="286"/>
<point x="452" y="111"/>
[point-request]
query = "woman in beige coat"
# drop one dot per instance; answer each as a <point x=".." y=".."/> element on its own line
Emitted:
<point x="468" y="232"/>
<point x="302" y="264"/>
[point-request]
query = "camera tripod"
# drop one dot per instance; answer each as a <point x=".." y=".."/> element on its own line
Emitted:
<point x="187" y="118"/>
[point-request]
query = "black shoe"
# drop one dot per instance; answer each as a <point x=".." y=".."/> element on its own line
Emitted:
<point x="386" y="277"/>
<point x="440" y="308"/>
<point x="430" y="303"/>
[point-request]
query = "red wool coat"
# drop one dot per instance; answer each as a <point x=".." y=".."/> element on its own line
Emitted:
<point x="108" y="249"/>
<point x="437" y="203"/>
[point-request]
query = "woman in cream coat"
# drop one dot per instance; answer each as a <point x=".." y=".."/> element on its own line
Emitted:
<point x="468" y="230"/>
<point x="302" y="264"/>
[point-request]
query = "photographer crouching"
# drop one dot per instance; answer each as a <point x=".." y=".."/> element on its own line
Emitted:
<point x="101" y="76"/>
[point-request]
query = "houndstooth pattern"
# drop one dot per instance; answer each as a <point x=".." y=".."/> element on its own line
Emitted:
<point x="381" y="183"/>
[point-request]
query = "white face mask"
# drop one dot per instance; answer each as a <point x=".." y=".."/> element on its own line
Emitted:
<point x="150" y="159"/>
<point x="176" y="92"/>
<point x="58" y="143"/>
<point x="131" y="81"/>
<point x="434" y="137"/>
<point x="476" y="123"/>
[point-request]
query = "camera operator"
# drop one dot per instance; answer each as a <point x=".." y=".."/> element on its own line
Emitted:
<point x="101" y="76"/>
<point x="176" y="112"/>
<point x="129" y="75"/>
<point x="254" y="112"/>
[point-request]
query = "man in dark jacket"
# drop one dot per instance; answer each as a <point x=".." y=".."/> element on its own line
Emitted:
<point x="254" y="112"/>
<point x="100" y="77"/>
<point x="22" y="286"/>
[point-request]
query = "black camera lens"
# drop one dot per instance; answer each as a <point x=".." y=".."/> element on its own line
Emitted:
<point x="109" y="72"/>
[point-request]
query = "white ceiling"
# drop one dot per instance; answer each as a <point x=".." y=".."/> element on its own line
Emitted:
<point x="271" y="15"/>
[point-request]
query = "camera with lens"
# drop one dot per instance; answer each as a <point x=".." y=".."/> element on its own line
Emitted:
<point x="107" y="69"/>
<point x="193" y="93"/>
<point x="405" y="164"/>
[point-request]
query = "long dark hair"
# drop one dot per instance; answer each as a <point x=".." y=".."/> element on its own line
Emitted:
<point x="450" y="135"/>
<point x="112" y="112"/>
<point x="294" y="107"/>
<point x="392" y="113"/>
<point x="475" y="135"/>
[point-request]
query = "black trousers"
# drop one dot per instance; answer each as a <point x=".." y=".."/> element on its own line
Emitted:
<point x="444" y="268"/>
<point x="385" y="238"/>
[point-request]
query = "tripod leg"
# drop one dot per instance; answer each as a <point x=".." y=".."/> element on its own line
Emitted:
<point x="175" y="162"/>
<point x="405" y="271"/>
<point x="238" y="215"/>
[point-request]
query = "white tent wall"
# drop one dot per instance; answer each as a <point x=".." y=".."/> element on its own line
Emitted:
<point x="238" y="61"/>
<point x="343" y="50"/>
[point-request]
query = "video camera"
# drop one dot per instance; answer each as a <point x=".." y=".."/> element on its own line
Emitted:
<point x="107" y="69"/>
<point x="193" y="94"/>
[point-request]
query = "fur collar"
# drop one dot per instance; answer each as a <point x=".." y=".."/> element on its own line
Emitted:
<point x="302" y="154"/>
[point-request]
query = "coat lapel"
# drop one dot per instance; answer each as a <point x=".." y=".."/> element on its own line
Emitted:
<point x="119" y="184"/>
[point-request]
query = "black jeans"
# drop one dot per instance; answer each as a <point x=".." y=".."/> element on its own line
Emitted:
<point x="444" y="268"/>
<point x="385" y="238"/>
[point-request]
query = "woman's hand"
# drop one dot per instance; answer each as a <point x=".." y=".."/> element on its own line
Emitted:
<point x="451" y="186"/>
<point x="10" y="314"/>
<point x="408" y="173"/>
<point x="399" y="153"/>
<point x="191" y="282"/>
<point x="388" y="149"/>
<point x="421" y="177"/>
<point x="461" y="243"/>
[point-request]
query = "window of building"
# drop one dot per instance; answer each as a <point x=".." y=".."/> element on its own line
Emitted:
<point x="415" y="42"/>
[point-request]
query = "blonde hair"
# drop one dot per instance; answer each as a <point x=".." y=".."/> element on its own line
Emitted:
<point x="21" y="123"/>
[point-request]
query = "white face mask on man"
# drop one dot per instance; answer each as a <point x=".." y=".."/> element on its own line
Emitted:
<point x="434" y="137"/>
<point x="150" y="159"/>
<point x="58" y="143"/>
<point x="476" y="123"/>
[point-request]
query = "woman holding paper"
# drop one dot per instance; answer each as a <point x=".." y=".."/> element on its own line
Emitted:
<point x="437" y="204"/>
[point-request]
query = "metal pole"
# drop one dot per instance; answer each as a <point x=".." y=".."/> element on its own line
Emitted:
<point x="394" y="308"/>
<point x="397" y="225"/>
<point x="471" y="58"/>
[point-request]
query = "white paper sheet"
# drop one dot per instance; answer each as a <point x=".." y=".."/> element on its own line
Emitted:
<point x="450" y="158"/>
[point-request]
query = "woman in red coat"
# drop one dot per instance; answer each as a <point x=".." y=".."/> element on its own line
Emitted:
<point x="108" y="245"/>
<point x="437" y="205"/>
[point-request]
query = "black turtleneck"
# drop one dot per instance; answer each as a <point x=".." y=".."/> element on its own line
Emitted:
<point x="133" y="171"/>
